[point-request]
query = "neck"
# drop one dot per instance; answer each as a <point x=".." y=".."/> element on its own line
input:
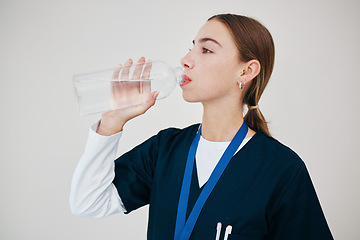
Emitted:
<point x="220" y="124"/>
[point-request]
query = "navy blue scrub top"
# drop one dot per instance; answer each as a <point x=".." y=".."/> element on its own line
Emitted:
<point x="264" y="193"/>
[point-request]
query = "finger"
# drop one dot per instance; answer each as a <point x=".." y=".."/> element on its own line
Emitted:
<point x="152" y="99"/>
<point x="126" y="69"/>
<point x="138" y="69"/>
<point x="137" y="74"/>
<point x="114" y="81"/>
<point x="116" y="72"/>
<point x="147" y="69"/>
<point x="122" y="87"/>
<point x="142" y="108"/>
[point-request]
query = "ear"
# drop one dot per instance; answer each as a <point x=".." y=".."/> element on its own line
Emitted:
<point x="253" y="69"/>
<point x="250" y="71"/>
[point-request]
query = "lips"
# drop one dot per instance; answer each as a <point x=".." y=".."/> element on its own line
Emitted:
<point x="185" y="80"/>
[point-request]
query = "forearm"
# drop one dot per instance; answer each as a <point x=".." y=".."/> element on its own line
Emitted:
<point x="92" y="192"/>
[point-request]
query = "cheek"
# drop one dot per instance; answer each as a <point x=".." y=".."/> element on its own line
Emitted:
<point x="222" y="76"/>
<point x="213" y="71"/>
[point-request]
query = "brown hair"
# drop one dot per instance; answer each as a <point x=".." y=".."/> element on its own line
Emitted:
<point x="253" y="41"/>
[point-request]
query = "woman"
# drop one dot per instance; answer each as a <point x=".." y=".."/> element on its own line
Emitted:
<point x="224" y="179"/>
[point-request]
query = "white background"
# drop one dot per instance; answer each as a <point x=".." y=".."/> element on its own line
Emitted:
<point x="311" y="102"/>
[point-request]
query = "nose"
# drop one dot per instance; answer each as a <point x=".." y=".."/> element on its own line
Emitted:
<point x="187" y="61"/>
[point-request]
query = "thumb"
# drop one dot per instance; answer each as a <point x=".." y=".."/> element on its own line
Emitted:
<point x="152" y="98"/>
<point x="149" y="102"/>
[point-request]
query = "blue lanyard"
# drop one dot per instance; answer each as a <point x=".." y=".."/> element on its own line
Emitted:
<point x="183" y="229"/>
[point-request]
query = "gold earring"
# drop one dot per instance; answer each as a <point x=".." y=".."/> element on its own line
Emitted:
<point x="241" y="86"/>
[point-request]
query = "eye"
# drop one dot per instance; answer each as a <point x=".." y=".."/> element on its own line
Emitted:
<point x="205" y="50"/>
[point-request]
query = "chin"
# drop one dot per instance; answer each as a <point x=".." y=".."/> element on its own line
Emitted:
<point x="190" y="99"/>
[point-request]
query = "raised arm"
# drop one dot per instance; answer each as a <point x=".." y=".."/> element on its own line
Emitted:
<point x="92" y="192"/>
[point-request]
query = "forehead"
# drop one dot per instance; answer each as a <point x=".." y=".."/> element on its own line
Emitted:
<point x="216" y="30"/>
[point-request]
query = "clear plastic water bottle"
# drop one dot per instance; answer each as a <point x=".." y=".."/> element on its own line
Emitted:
<point x="124" y="86"/>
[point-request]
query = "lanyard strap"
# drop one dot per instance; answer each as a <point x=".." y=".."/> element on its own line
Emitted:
<point x="183" y="229"/>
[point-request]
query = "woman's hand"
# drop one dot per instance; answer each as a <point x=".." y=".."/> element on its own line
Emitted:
<point x="125" y="94"/>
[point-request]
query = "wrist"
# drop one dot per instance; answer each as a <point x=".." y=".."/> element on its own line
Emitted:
<point x="108" y="130"/>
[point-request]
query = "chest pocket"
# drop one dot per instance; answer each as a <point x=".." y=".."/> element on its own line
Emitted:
<point x="234" y="235"/>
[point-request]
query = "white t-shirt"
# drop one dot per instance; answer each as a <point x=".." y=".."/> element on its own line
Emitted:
<point x="208" y="155"/>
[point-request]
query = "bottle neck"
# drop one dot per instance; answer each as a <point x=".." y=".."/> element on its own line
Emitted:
<point x="179" y="74"/>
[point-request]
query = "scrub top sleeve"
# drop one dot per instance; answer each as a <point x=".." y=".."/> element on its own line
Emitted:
<point x="134" y="173"/>
<point x="298" y="214"/>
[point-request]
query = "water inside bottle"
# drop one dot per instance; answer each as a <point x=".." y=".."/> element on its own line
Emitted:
<point x="104" y="95"/>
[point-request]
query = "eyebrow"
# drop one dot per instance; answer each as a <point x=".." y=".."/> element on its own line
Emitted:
<point x="207" y="39"/>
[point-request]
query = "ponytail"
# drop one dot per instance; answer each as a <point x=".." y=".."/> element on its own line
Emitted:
<point x="254" y="117"/>
<point x="256" y="121"/>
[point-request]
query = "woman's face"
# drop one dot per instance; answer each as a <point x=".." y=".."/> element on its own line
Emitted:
<point x="212" y="67"/>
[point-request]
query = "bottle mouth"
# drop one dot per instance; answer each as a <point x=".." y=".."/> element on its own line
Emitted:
<point x="180" y="75"/>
